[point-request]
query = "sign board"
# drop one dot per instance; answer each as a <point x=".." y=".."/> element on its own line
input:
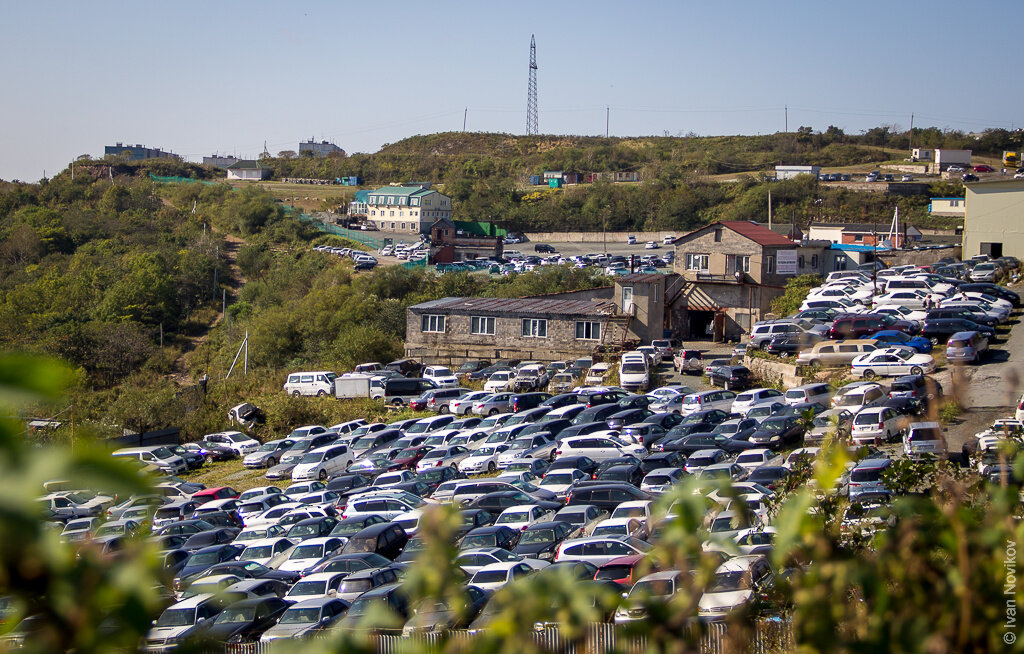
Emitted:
<point x="785" y="262"/>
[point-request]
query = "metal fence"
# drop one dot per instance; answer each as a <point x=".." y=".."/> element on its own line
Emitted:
<point x="337" y="230"/>
<point x="766" y="637"/>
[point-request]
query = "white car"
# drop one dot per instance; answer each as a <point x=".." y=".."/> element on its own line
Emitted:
<point x="265" y="550"/>
<point x="462" y="406"/>
<point x="661" y="480"/>
<point x="632" y="527"/>
<point x="499" y="382"/>
<point x="522" y="516"/>
<point x="608" y="548"/>
<point x="310" y="552"/>
<point x="878" y="424"/>
<point x="597" y="448"/>
<point x="494" y="576"/>
<point x="472" y="560"/>
<point x="912" y="299"/>
<point x="900" y="312"/>
<point x="449" y="455"/>
<point x="236" y="440"/>
<point x="892" y="362"/>
<point x="735" y="584"/>
<point x="316" y="585"/>
<point x="642" y="509"/>
<point x="651" y="245"/>
<point x="393" y="478"/>
<point x="743" y="401"/>
<point x="561" y="481"/>
<point x="442" y="376"/>
<point x="322" y="463"/>
<point x="750" y="459"/>
<point x="385" y="505"/>
<point x="481" y="460"/>
<point x="534" y="446"/>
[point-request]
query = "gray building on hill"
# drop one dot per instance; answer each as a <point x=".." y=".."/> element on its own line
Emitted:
<point x="321" y="149"/>
<point x="136" y="152"/>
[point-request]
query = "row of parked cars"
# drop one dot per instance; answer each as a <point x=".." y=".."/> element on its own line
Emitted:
<point x="362" y="260"/>
<point x="577" y="479"/>
<point x="887" y="321"/>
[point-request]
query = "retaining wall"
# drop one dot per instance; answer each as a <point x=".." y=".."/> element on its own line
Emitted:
<point x="784" y="373"/>
<point x="618" y="238"/>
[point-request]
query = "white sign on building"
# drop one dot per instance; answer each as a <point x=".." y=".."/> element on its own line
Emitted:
<point x="786" y="262"/>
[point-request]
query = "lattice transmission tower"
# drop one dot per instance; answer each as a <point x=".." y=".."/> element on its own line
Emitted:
<point x="531" y="93"/>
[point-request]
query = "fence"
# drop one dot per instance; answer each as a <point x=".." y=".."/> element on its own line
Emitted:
<point x="766" y="637"/>
<point x="178" y="180"/>
<point x="337" y="230"/>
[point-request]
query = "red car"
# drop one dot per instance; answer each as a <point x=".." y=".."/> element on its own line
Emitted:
<point x="984" y="168"/>
<point x="621" y="570"/>
<point x="409" y="457"/>
<point x="218" y="493"/>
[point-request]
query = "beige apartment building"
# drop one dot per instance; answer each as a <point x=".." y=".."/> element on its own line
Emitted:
<point x="994" y="223"/>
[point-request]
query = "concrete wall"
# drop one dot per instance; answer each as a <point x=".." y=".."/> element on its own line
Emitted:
<point x="995" y="214"/>
<point x="617" y="238"/>
<point x="774" y="372"/>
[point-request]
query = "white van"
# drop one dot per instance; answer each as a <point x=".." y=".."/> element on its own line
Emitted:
<point x="633" y="372"/>
<point x="322" y="463"/>
<point x="157" y="456"/>
<point x="596" y="374"/>
<point x="310" y="383"/>
<point x="816" y="393"/>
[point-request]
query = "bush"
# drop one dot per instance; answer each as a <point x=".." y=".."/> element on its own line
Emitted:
<point x="796" y="291"/>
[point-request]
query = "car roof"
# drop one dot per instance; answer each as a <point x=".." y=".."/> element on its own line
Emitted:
<point x="739" y="563"/>
<point x="192" y="602"/>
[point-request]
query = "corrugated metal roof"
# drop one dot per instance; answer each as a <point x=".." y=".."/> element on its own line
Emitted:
<point x="517" y="306"/>
<point x="641" y="278"/>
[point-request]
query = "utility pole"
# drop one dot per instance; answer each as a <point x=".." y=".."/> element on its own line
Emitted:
<point x="769" y="208"/>
<point x="911" y="134"/>
<point x="607" y="118"/>
<point x="465" y="113"/>
<point x="786" y="108"/>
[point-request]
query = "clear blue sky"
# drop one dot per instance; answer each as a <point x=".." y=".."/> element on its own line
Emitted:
<point x="203" y="77"/>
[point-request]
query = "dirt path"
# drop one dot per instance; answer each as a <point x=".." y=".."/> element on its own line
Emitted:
<point x="229" y="253"/>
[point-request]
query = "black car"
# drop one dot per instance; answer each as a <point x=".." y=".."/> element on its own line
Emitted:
<point x="964" y="313"/>
<point x="771" y="477"/>
<point x="500" y="500"/>
<point x="434" y="477"/>
<point x="214" y="451"/>
<point x="939" y="330"/>
<point x="598" y="413"/>
<point x="584" y="463"/>
<point x="524" y="401"/>
<point x="635" y="402"/>
<point x="349" y="483"/>
<point x="917" y="386"/>
<point x="472" y="519"/>
<point x="543" y="247"/>
<point x="583" y="429"/>
<point x="192" y="458"/>
<point x="664" y="420"/>
<point x="245" y="621"/>
<point x="687" y="445"/>
<point x="629" y="473"/>
<point x="349" y="563"/>
<point x="733" y="378"/>
<point x="201" y="560"/>
<point x="790" y="344"/>
<point x="469" y="367"/>
<point x="906" y="406"/>
<point x="387" y="539"/>
<point x="606" y="496"/>
<point x="185" y="527"/>
<point x="713" y="416"/>
<point x="626" y="460"/>
<point x="553" y="427"/>
<point x="312" y="528"/>
<point x="558" y="401"/>
<point x="491" y="536"/>
<point x="490" y="370"/>
<point x="218" y="536"/>
<point x="622" y="419"/>
<point x="657" y="460"/>
<point x="777" y="432"/>
<point x="539" y="540"/>
<point x="596" y="398"/>
<point x="352" y="526"/>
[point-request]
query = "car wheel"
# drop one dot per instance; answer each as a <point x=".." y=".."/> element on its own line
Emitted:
<point x="397" y="402"/>
<point x="492" y="412"/>
<point x="321" y="393"/>
<point x="935" y="341"/>
<point x="323" y="475"/>
<point x="271" y="462"/>
<point x="491" y="468"/>
<point x="916" y="370"/>
<point x="296" y="393"/>
<point x="443" y="409"/>
<point x="869" y="374"/>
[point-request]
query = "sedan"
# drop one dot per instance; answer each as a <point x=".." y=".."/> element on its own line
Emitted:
<point x="778" y="431"/>
<point x="894" y="337"/>
<point x="443" y="456"/>
<point x="492" y="404"/>
<point x="892" y="362"/>
<point x="306" y="618"/>
<point x="601" y="549"/>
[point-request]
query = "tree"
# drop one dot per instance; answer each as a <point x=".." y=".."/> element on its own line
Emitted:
<point x="793" y="296"/>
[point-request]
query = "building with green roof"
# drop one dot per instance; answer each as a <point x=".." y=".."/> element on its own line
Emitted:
<point x="411" y="209"/>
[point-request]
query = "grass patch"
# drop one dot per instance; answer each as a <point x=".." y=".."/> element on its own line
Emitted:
<point x="231" y="473"/>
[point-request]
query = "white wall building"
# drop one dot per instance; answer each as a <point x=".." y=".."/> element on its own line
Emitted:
<point x="410" y="209"/>
<point x="789" y="172"/>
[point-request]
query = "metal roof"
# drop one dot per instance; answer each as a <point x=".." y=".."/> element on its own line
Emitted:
<point x="641" y="278"/>
<point x="517" y="306"/>
<point x="754" y="231"/>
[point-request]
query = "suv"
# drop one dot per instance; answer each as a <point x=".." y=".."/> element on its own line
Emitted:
<point x="924" y="438"/>
<point x="764" y="332"/>
<point x="856" y="327"/>
<point x="731" y="377"/>
<point x="405" y="367"/>
<point x="543" y="247"/>
<point x="690" y="362"/>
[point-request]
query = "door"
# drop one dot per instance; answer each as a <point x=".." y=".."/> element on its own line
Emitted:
<point x="718" y="334"/>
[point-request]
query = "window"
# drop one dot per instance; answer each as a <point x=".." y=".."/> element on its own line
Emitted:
<point x="770" y="265"/>
<point x="627" y="298"/>
<point x="737" y="262"/>
<point x="415" y="202"/>
<point x="432" y="323"/>
<point x="800" y="261"/>
<point x="814" y="261"/>
<point x="718" y="235"/>
<point x="403" y="224"/>
<point x="858" y="237"/>
<point x="657" y="293"/>
<point x="535" y="328"/>
<point x="481" y="325"/>
<point x="588" y="330"/>
<point x="697" y="262"/>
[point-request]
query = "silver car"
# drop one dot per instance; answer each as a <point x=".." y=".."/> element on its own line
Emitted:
<point x="492" y="404"/>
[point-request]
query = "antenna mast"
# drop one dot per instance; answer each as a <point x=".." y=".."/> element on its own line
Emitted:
<point x="532" y="128"/>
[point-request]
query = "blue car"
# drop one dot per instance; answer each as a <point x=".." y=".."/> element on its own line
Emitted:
<point x="894" y="337"/>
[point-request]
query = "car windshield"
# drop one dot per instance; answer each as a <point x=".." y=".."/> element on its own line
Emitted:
<point x="346" y="565"/>
<point x="773" y="426"/>
<point x="257" y="552"/>
<point x="177" y="618"/>
<point x="520" y="445"/>
<point x="537" y="536"/>
<point x="851" y="399"/>
<point x="725" y="582"/>
<point x="634" y="367"/>
<point x="308" y="552"/>
<point x="654" y="587"/>
<point x="490" y="576"/>
<point x="904" y="354"/>
<point x="356" y="586"/>
<point x="309" y="588"/>
<point x="557" y="478"/>
<point x="512" y="516"/>
<point x="203" y="558"/>
<point x="418" y="428"/>
<point x="268" y="447"/>
<point x="480" y="540"/>
<point x="300" y="616"/>
<point x="658" y="480"/>
<point x="238" y="615"/>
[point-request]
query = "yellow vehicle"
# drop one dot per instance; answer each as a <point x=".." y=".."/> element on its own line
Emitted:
<point x="1011" y="159"/>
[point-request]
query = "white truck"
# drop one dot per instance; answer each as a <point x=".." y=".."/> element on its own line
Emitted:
<point x="351" y="386"/>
